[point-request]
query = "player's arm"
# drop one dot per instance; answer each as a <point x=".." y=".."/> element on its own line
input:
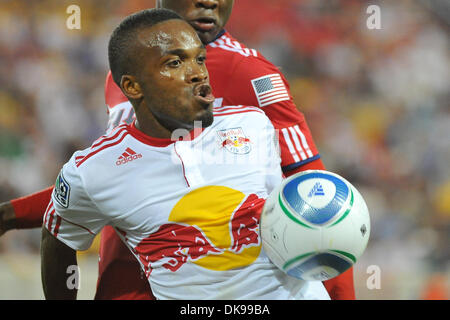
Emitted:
<point x="70" y="224"/>
<point x="28" y="211"/>
<point x="257" y="82"/>
<point x="25" y="212"/>
<point x="56" y="257"/>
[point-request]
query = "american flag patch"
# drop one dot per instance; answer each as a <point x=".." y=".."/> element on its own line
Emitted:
<point x="270" y="89"/>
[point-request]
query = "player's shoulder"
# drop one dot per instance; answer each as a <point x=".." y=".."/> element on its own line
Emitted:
<point x="101" y="148"/>
<point x="243" y="61"/>
<point x="241" y="114"/>
<point x="113" y="95"/>
<point x="226" y="44"/>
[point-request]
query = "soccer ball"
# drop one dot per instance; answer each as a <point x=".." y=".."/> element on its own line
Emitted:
<point x="315" y="225"/>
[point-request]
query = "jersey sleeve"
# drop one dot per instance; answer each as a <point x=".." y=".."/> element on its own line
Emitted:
<point x="30" y="209"/>
<point x="71" y="216"/>
<point x="257" y="82"/>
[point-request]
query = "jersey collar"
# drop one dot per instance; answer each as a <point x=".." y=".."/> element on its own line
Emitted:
<point x="221" y="33"/>
<point x="160" y="142"/>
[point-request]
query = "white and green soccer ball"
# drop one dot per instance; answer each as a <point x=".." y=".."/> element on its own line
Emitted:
<point x="315" y="225"/>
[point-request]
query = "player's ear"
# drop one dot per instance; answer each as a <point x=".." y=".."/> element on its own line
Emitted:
<point x="130" y="87"/>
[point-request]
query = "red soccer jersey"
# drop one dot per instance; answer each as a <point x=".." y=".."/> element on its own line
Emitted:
<point x="242" y="76"/>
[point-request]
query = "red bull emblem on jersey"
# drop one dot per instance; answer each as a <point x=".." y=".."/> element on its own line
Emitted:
<point x="214" y="227"/>
<point x="235" y="140"/>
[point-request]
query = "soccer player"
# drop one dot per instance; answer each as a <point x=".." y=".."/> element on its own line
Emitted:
<point x="187" y="209"/>
<point x="239" y="76"/>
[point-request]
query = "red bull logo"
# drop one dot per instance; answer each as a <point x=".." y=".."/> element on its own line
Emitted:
<point x="235" y="140"/>
<point x="214" y="227"/>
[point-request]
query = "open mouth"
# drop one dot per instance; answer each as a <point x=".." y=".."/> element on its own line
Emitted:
<point x="203" y="93"/>
<point x="204" y="24"/>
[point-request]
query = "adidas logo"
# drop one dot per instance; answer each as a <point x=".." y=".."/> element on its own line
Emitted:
<point x="317" y="190"/>
<point x="128" y="156"/>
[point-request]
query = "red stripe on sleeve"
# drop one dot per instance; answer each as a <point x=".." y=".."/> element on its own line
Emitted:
<point x="49" y="207"/>
<point x="50" y="221"/>
<point x="58" y="224"/>
<point x="100" y="149"/>
<point x="108" y="138"/>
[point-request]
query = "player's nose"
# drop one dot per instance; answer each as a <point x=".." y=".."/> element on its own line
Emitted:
<point x="206" y="4"/>
<point x="197" y="74"/>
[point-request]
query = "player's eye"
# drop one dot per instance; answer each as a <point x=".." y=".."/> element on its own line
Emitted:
<point x="201" y="59"/>
<point x="174" y="63"/>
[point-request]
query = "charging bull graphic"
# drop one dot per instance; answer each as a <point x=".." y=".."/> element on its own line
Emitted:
<point x="214" y="227"/>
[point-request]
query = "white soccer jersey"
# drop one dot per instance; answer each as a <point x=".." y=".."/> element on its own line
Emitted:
<point x="188" y="210"/>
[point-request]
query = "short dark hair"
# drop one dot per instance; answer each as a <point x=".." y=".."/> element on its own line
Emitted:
<point x="120" y="53"/>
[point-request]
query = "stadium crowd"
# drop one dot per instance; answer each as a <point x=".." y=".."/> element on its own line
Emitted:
<point x="376" y="100"/>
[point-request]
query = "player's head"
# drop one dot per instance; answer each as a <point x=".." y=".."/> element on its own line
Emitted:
<point x="158" y="61"/>
<point x="207" y="17"/>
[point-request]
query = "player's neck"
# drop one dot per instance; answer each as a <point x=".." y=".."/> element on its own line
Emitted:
<point x="152" y="128"/>
<point x="149" y="125"/>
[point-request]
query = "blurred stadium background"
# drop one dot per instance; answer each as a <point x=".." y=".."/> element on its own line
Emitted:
<point x="377" y="102"/>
